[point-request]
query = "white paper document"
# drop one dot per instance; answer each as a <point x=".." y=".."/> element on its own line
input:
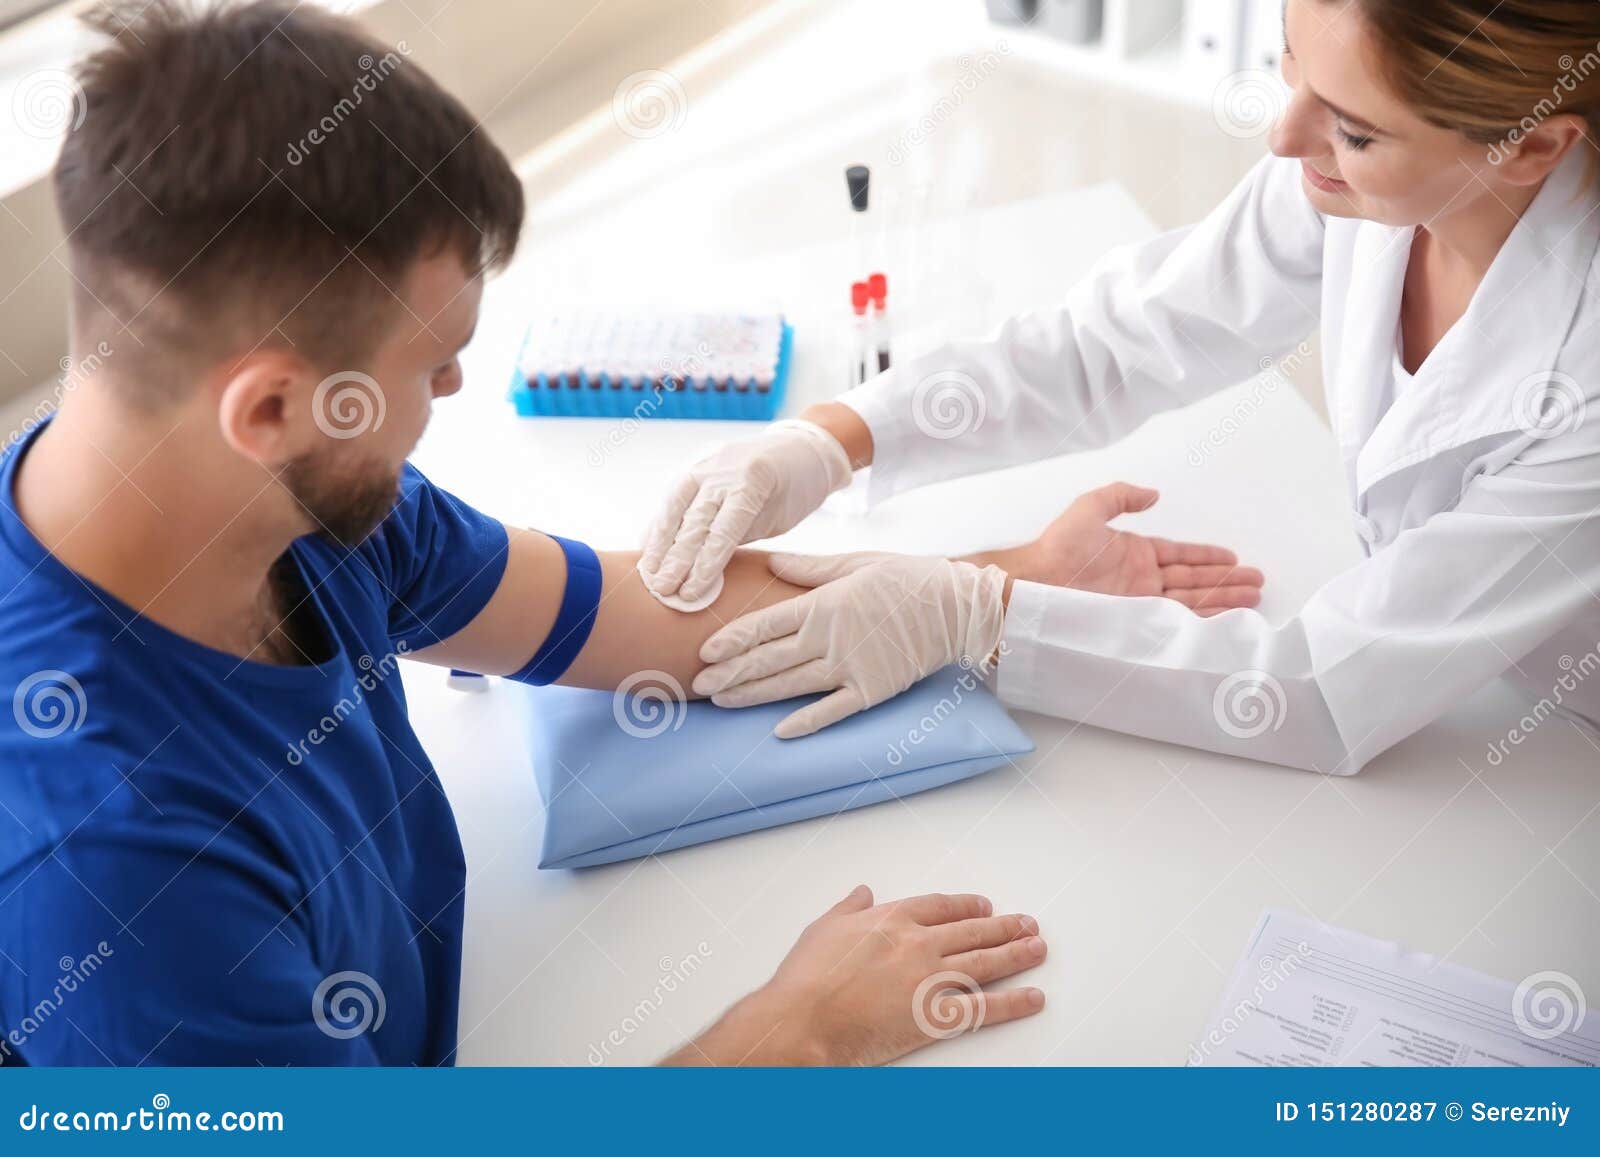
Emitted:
<point x="1306" y="993"/>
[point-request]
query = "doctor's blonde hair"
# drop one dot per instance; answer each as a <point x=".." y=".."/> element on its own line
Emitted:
<point x="1492" y="71"/>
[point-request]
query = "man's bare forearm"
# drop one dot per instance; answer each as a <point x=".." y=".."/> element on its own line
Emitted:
<point x="633" y="632"/>
<point x="761" y="1030"/>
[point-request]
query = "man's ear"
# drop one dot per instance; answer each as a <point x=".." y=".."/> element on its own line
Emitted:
<point x="262" y="407"/>
<point x="1536" y="153"/>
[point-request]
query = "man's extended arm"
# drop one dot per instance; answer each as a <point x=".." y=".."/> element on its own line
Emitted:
<point x="632" y="631"/>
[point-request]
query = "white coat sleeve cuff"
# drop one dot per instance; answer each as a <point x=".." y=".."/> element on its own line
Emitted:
<point x="1017" y="678"/>
<point x="1149" y="666"/>
<point x="883" y="408"/>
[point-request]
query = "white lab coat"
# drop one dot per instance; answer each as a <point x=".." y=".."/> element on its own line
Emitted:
<point x="1475" y="492"/>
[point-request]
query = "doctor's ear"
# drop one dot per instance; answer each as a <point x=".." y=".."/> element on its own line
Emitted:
<point x="1536" y="153"/>
<point x="263" y="407"/>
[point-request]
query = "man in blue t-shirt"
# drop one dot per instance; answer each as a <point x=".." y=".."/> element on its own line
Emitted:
<point x="217" y="539"/>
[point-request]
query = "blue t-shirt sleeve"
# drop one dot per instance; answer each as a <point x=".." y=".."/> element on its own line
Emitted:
<point x="210" y="968"/>
<point x="438" y="559"/>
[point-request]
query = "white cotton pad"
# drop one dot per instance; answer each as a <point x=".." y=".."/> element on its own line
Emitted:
<point x="681" y="604"/>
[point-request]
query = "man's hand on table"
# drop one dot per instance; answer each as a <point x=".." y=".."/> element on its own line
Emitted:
<point x="867" y="984"/>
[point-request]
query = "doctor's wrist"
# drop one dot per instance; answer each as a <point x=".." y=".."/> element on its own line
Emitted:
<point x="1025" y="562"/>
<point x="847" y="428"/>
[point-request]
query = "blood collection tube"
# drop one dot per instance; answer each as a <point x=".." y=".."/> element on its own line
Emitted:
<point x="862" y="343"/>
<point x="878" y="289"/>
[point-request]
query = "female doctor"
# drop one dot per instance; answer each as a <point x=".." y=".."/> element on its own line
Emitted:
<point x="1431" y="201"/>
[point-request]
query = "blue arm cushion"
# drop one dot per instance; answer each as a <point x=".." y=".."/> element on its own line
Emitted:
<point x="627" y="775"/>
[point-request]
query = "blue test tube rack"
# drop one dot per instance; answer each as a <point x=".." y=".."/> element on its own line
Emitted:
<point x="579" y="395"/>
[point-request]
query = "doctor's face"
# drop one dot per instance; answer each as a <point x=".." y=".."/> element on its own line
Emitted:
<point x="1363" y="153"/>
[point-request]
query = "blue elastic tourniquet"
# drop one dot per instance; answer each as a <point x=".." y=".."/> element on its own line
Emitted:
<point x="574" y="620"/>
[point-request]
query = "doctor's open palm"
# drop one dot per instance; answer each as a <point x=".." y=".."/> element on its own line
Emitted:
<point x="1082" y="551"/>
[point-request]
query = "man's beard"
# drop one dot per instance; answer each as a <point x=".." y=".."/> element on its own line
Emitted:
<point x="344" y="503"/>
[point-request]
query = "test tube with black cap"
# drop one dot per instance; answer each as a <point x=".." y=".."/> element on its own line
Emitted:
<point x="858" y="180"/>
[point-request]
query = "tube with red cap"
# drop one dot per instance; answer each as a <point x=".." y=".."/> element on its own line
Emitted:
<point x="861" y="354"/>
<point x="878" y="291"/>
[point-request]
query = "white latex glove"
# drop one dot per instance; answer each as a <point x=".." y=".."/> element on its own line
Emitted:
<point x="874" y="624"/>
<point x="746" y="491"/>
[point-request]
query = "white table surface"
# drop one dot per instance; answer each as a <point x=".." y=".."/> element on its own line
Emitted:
<point x="1146" y="864"/>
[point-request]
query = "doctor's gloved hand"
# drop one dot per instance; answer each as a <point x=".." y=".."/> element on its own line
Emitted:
<point x="746" y="491"/>
<point x="872" y="626"/>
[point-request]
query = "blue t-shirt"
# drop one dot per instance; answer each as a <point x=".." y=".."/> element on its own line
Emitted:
<point x="209" y="860"/>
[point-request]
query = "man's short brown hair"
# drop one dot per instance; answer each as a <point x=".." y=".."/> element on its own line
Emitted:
<point x="254" y="175"/>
